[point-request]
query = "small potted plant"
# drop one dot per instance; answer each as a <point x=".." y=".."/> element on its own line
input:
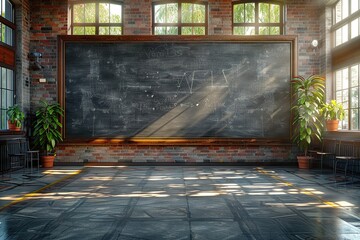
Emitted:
<point x="333" y="112"/>
<point x="16" y="117"/>
<point x="47" y="130"/>
<point x="308" y="96"/>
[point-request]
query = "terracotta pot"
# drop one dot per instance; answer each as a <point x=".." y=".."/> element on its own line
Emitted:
<point x="332" y="125"/>
<point x="48" y="161"/>
<point x="13" y="127"/>
<point x="304" y="162"/>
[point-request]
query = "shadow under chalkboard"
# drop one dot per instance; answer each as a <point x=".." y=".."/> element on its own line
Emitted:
<point x="177" y="89"/>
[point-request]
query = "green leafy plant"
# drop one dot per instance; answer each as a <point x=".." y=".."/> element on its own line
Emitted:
<point x="47" y="129"/>
<point x="308" y="94"/>
<point x="16" y="116"/>
<point x="333" y="111"/>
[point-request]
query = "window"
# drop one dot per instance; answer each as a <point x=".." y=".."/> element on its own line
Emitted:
<point x="94" y="18"/>
<point x="347" y="92"/>
<point x="345" y="29"/>
<point x="7" y="25"/>
<point x="7" y="82"/>
<point x="7" y="93"/>
<point x="180" y="18"/>
<point x="346" y="19"/>
<point x="257" y="18"/>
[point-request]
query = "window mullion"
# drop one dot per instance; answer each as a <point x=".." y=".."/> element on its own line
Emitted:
<point x="109" y="19"/>
<point x="192" y="13"/>
<point x="179" y="19"/>
<point x="97" y="19"/>
<point x="256" y="18"/>
<point x="72" y="19"/>
<point x="349" y="98"/>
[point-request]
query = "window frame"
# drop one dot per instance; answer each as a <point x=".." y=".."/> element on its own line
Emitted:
<point x="7" y="63"/>
<point x="344" y="56"/>
<point x="11" y="25"/>
<point x="257" y="24"/>
<point x="347" y="124"/>
<point x="179" y="24"/>
<point x="342" y="23"/>
<point x="97" y="23"/>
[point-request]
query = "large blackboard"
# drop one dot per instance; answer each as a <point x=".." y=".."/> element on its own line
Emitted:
<point x="192" y="89"/>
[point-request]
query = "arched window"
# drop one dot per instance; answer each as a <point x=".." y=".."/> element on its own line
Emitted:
<point x="96" y="18"/>
<point x="180" y="18"/>
<point x="258" y="18"/>
<point x="7" y="61"/>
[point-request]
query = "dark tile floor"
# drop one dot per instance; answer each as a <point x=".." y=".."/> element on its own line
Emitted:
<point x="182" y="203"/>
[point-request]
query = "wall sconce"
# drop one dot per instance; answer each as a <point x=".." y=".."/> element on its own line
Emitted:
<point x="315" y="43"/>
<point x="34" y="61"/>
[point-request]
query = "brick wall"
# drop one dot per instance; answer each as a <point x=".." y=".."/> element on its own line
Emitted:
<point x="49" y="19"/>
<point x="22" y="22"/>
<point x="241" y="154"/>
<point x="137" y="17"/>
<point x="220" y="14"/>
<point x="303" y="20"/>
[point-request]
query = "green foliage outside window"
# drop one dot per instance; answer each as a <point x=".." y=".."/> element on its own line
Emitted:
<point x="244" y="13"/>
<point x="108" y="21"/>
<point x="268" y="20"/>
<point x="189" y="18"/>
<point x="166" y="13"/>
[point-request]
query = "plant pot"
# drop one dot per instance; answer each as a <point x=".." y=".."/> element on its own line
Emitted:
<point x="332" y="125"/>
<point x="304" y="162"/>
<point x="13" y="127"/>
<point x="48" y="161"/>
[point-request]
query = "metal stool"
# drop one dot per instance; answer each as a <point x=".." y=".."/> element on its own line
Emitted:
<point x="31" y="156"/>
<point x="327" y="152"/>
<point x="16" y="153"/>
<point x="346" y="152"/>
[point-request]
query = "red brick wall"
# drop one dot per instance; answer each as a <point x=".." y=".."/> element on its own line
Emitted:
<point x="49" y="19"/>
<point x="303" y="20"/>
<point x="220" y="15"/>
<point x="174" y="154"/>
<point x="137" y="17"/>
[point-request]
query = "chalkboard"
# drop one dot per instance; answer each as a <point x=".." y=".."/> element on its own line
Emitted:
<point x="189" y="89"/>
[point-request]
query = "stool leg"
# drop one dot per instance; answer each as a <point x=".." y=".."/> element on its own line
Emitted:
<point x="38" y="161"/>
<point x="335" y="166"/>
<point x="31" y="164"/>
<point x="346" y="166"/>
<point x="321" y="162"/>
<point x="352" y="171"/>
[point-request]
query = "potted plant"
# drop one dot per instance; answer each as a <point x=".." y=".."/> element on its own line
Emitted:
<point x="47" y="130"/>
<point x="308" y="96"/>
<point x="333" y="112"/>
<point x="16" y="117"/>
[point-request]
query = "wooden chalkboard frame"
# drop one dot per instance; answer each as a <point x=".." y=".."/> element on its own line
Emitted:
<point x="64" y="39"/>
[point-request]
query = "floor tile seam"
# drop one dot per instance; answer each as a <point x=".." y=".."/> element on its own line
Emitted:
<point x="301" y="190"/>
<point x="327" y="185"/>
<point x="188" y="212"/>
<point x="82" y="200"/>
<point x="29" y="195"/>
<point x="120" y="224"/>
<point x="240" y="216"/>
<point x="308" y="220"/>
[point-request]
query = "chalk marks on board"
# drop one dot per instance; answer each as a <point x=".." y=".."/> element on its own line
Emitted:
<point x="164" y="51"/>
<point x="177" y="90"/>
